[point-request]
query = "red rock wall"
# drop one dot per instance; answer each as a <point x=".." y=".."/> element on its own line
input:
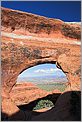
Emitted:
<point x="28" y="40"/>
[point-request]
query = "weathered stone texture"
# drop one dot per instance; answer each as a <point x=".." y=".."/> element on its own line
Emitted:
<point x="46" y="41"/>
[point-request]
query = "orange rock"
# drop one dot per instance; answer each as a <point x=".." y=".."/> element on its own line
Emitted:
<point x="28" y="40"/>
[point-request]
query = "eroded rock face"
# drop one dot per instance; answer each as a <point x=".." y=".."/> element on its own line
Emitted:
<point x="28" y="40"/>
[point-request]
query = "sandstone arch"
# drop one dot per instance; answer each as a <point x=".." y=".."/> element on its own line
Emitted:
<point x="24" y="47"/>
<point x="66" y="53"/>
<point x="12" y="66"/>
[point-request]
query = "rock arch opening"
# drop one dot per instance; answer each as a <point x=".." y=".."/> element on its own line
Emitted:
<point x="43" y="75"/>
<point x="35" y="84"/>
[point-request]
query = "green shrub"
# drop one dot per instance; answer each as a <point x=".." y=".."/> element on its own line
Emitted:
<point x="43" y="104"/>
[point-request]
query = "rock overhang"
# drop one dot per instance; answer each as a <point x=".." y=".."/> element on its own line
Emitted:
<point x="55" y="41"/>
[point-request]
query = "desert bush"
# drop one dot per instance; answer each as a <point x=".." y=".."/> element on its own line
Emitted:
<point x="43" y="104"/>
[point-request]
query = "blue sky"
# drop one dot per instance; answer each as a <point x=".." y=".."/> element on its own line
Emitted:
<point x="42" y="70"/>
<point x="64" y="10"/>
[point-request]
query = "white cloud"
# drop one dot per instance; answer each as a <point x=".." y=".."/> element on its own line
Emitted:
<point x="46" y="70"/>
